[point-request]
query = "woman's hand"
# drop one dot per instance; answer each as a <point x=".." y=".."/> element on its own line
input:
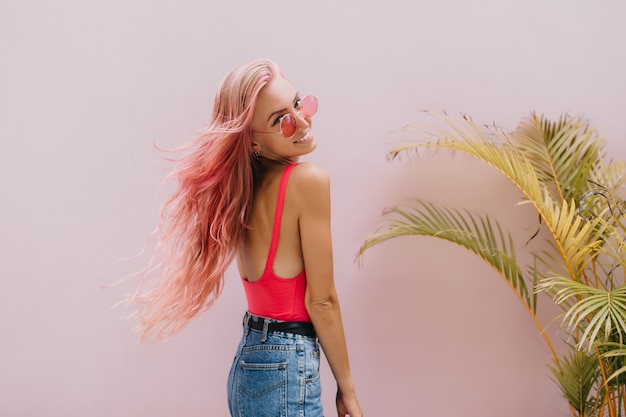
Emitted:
<point x="348" y="405"/>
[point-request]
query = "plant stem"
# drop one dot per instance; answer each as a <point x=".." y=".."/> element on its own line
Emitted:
<point x="606" y="385"/>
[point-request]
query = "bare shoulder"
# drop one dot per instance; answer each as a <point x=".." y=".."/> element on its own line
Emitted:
<point x="311" y="186"/>
<point x="309" y="175"/>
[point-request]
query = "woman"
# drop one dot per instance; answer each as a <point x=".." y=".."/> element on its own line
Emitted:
<point x="242" y="194"/>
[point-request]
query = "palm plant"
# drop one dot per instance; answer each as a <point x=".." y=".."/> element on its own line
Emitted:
<point x="560" y="169"/>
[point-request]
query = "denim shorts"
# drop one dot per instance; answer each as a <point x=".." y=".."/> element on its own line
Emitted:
<point x="275" y="374"/>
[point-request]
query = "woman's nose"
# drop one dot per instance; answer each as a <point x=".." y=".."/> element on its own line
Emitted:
<point x="301" y="120"/>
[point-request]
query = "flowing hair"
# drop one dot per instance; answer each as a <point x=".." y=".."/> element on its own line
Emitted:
<point x="202" y="224"/>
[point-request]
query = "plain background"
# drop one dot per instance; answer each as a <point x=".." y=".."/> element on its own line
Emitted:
<point x="87" y="88"/>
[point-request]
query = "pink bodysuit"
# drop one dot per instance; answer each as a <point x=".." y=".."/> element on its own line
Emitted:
<point x="272" y="296"/>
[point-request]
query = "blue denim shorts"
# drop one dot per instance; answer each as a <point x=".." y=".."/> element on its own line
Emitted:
<point x="275" y="374"/>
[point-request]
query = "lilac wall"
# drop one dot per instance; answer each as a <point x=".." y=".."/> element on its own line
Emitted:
<point x="87" y="87"/>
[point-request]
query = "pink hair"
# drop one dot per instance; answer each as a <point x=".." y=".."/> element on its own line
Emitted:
<point x="202" y="224"/>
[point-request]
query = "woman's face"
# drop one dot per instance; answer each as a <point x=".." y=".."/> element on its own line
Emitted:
<point x="277" y="99"/>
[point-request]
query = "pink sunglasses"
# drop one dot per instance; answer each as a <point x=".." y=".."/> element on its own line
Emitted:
<point x="307" y="107"/>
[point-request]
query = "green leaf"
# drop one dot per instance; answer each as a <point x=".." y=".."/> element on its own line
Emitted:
<point x="577" y="373"/>
<point x="597" y="313"/>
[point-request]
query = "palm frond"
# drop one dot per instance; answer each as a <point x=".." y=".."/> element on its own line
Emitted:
<point x="565" y="153"/>
<point x="616" y="351"/>
<point x="577" y="374"/>
<point x="579" y="239"/>
<point x="485" y="144"/>
<point x="480" y="235"/>
<point x="495" y="148"/>
<point x="590" y="309"/>
<point x="611" y="176"/>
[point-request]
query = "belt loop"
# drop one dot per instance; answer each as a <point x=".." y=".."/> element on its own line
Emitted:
<point x="246" y="328"/>
<point x="266" y="324"/>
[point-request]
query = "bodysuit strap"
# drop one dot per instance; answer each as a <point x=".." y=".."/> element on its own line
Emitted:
<point x="278" y="216"/>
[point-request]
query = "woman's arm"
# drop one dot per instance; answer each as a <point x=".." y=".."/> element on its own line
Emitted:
<point x="322" y="303"/>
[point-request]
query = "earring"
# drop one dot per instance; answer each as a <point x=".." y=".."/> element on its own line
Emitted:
<point x="256" y="154"/>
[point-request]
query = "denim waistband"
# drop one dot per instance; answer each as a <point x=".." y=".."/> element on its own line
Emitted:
<point x="265" y="325"/>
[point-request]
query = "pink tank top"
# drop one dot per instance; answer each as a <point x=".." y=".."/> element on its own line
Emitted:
<point x="272" y="296"/>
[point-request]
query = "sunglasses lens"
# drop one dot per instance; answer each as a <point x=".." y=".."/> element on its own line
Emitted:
<point x="288" y="125"/>
<point x="309" y="106"/>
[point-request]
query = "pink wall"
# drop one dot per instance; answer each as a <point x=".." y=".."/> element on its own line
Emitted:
<point x="86" y="88"/>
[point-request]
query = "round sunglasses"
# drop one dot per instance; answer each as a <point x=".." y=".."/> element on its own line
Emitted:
<point x="307" y="107"/>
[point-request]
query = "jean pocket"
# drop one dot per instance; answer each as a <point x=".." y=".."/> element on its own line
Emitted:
<point x="262" y="389"/>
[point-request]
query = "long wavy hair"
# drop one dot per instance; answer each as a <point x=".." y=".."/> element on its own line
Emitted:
<point x="202" y="224"/>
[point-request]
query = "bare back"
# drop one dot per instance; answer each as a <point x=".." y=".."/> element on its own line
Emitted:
<point x="252" y="255"/>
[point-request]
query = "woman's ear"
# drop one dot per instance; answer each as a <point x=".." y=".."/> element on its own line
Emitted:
<point x="256" y="149"/>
